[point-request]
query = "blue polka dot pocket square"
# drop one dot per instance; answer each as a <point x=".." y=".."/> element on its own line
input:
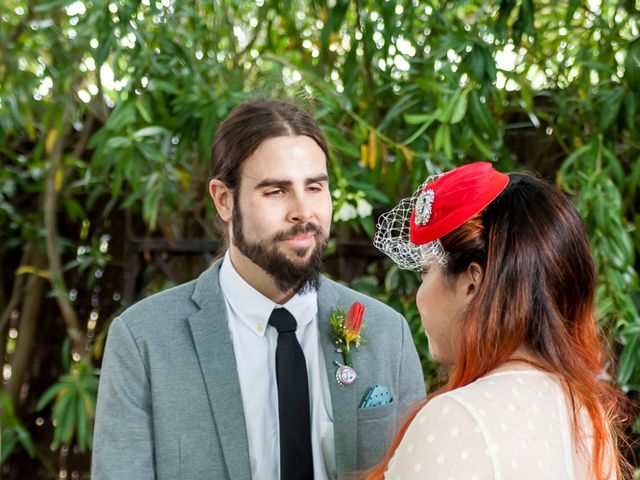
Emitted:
<point x="376" y="396"/>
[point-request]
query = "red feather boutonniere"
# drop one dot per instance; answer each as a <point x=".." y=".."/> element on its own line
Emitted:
<point x="346" y="331"/>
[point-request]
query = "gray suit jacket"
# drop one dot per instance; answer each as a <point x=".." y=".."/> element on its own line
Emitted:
<point x="169" y="403"/>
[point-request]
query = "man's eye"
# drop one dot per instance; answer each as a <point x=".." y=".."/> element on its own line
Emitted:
<point x="274" y="193"/>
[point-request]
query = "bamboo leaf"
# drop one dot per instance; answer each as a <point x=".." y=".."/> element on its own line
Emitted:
<point x="633" y="185"/>
<point x="443" y="140"/>
<point x="628" y="360"/>
<point x="25" y="440"/>
<point x="64" y="414"/>
<point x="392" y="279"/>
<point x="50" y="141"/>
<point x="373" y="150"/>
<point x="116" y="143"/>
<point x="157" y="85"/>
<point x="418" y="118"/>
<point x="364" y="155"/>
<point x="29" y="269"/>
<point x="632" y="65"/>
<point x="49" y="395"/>
<point x="408" y="155"/>
<point x="143" y="110"/>
<point x="450" y="107"/>
<point x="484" y="150"/>
<point x="42" y="7"/>
<point x="150" y="132"/>
<point x="427" y="120"/>
<point x="439" y="137"/>
<point x="459" y="108"/>
<point x="631" y="330"/>
<point x="475" y="64"/>
<point x="480" y="116"/>
<point x="367" y="226"/>
<point x="9" y="442"/>
<point x="123" y="116"/>
<point x="571" y="9"/>
<point x="609" y="104"/>
<point x="81" y="422"/>
<point x="431" y="86"/>
<point x="59" y="179"/>
<point x="447" y="147"/>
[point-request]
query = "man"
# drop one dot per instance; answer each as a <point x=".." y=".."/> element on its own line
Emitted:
<point x="233" y="375"/>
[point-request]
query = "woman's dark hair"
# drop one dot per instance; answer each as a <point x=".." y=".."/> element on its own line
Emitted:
<point x="539" y="282"/>
<point x="248" y="126"/>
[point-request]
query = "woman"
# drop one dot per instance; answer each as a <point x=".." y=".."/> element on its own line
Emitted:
<point x="506" y="300"/>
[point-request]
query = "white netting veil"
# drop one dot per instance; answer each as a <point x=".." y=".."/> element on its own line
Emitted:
<point x="392" y="237"/>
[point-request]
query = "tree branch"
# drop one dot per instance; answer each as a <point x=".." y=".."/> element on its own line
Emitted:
<point x="51" y="226"/>
<point x="369" y="82"/>
<point x="16" y="292"/>
<point x="261" y="17"/>
<point x="34" y="293"/>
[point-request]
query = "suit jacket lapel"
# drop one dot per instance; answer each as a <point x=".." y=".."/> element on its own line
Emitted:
<point x="343" y="398"/>
<point x="217" y="362"/>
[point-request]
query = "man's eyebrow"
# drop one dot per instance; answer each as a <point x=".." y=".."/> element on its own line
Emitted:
<point x="272" y="182"/>
<point x="320" y="178"/>
<point x="277" y="182"/>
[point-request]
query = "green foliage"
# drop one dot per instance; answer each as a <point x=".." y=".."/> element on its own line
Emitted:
<point x="397" y="288"/>
<point x="592" y="173"/>
<point x="116" y="105"/>
<point x="74" y="404"/>
<point x="12" y="432"/>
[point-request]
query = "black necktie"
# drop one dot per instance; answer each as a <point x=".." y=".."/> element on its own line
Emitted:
<point x="296" y="461"/>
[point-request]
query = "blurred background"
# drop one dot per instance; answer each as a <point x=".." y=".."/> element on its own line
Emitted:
<point x="107" y="114"/>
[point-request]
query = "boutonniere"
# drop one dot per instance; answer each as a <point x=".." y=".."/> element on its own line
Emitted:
<point x="346" y="332"/>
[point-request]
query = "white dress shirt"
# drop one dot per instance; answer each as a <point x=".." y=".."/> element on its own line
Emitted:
<point x="254" y="346"/>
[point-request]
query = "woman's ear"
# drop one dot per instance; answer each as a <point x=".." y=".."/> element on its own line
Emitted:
<point x="222" y="197"/>
<point x="473" y="277"/>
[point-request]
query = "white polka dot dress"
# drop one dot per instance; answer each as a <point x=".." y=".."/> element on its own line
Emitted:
<point x="512" y="424"/>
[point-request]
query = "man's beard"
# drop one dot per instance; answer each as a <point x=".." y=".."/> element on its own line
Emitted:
<point x="288" y="275"/>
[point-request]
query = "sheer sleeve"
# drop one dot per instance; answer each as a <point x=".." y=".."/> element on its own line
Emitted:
<point x="443" y="442"/>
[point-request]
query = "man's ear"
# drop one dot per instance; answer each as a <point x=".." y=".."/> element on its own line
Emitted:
<point x="222" y="197"/>
<point x="473" y="276"/>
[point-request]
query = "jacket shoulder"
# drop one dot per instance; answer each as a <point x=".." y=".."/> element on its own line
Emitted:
<point x="174" y="303"/>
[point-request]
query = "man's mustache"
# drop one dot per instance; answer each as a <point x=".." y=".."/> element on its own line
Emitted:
<point x="297" y="230"/>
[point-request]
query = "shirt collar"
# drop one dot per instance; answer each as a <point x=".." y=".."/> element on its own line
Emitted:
<point x="253" y="309"/>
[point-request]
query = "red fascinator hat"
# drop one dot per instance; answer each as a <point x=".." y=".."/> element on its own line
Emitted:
<point x="454" y="198"/>
<point x="409" y="234"/>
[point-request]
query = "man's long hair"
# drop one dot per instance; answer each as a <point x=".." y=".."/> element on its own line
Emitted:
<point x="248" y="126"/>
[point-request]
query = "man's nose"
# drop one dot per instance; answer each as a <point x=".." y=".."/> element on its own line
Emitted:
<point x="300" y="211"/>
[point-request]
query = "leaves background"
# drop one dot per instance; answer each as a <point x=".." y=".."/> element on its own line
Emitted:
<point x="108" y="110"/>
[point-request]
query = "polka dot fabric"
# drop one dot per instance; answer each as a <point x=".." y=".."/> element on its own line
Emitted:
<point x="512" y="424"/>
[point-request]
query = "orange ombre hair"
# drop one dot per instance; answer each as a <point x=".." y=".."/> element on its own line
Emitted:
<point x="538" y="291"/>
